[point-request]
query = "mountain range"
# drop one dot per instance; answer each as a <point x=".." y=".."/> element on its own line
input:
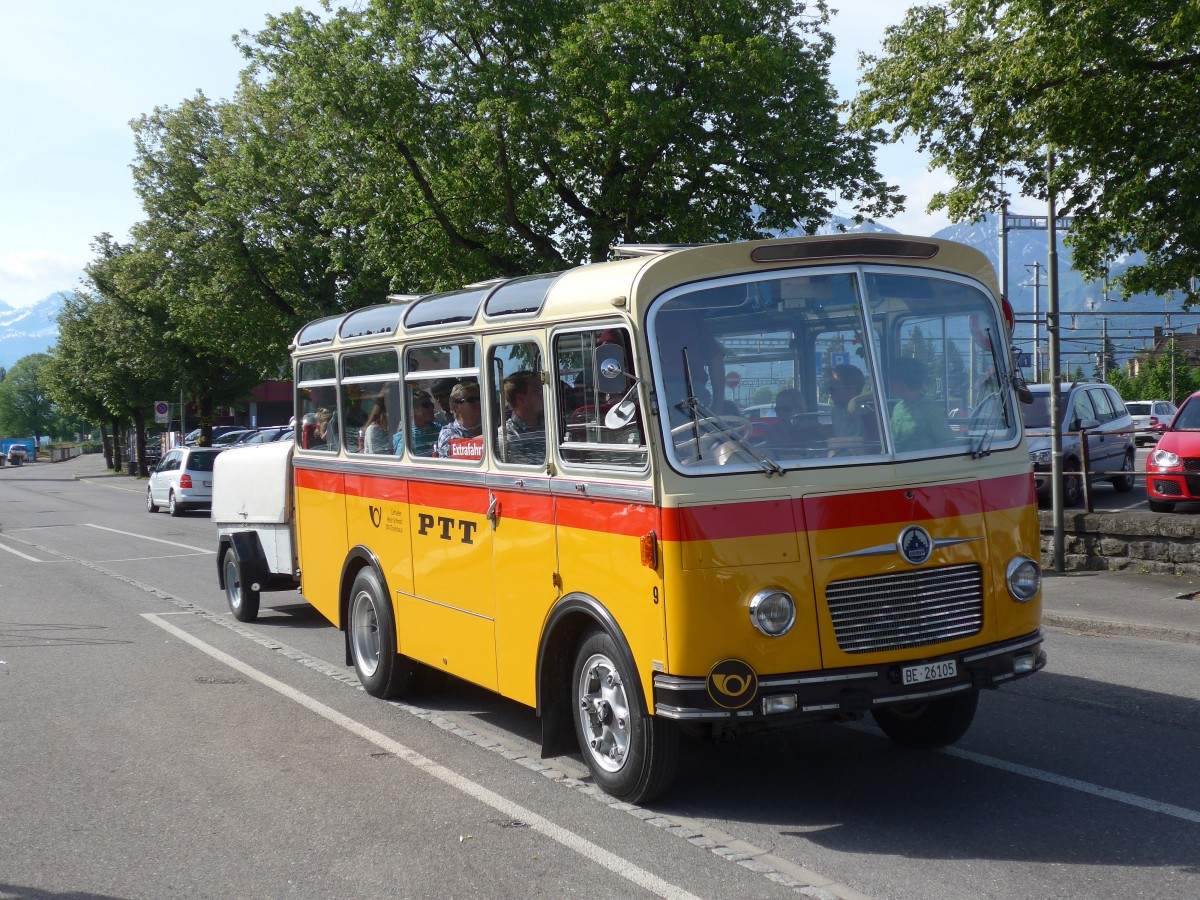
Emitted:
<point x="1130" y="325"/>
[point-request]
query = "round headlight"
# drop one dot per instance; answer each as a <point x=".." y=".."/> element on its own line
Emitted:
<point x="773" y="611"/>
<point x="1164" y="459"/>
<point x="1024" y="578"/>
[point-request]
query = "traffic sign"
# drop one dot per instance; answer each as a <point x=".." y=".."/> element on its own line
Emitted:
<point x="732" y="380"/>
<point x="162" y="412"/>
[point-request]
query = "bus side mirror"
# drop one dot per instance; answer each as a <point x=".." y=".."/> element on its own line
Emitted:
<point x="611" y="377"/>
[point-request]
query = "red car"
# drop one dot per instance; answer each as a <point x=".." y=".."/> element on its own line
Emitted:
<point x="1173" y="466"/>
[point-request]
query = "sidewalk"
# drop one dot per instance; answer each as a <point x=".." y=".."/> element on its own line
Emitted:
<point x="1161" y="607"/>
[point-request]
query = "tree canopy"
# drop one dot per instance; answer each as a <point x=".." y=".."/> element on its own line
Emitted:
<point x="1111" y="86"/>
<point x="25" y="408"/>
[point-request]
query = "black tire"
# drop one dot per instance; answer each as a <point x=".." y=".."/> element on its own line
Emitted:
<point x="1159" y="506"/>
<point x="243" y="602"/>
<point x="631" y="754"/>
<point x="151" y="506"/>
<point x="930" y="723"/>
<point x="1072" y="486"/>
<point x="173" y="506"/>
<point x="1123" y="484"/>
<point x="371" y="632"/>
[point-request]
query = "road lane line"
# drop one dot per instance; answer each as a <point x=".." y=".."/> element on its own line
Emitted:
<point x="4" y="546"/>
<point x="1157" y="806"/>
<point x="146" y="537"/>
<point x="616" y="864"/>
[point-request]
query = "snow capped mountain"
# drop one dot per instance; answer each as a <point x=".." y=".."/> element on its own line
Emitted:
<point x="29" y="329"/>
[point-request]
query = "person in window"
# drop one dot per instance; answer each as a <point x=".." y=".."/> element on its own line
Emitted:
<point x="918" y="422"/>
<point x="441" y="389"/>
<point x="376" y="435"/>
<point x="522" y="437"/>
<point x="453" y="439"/>
<point x="845" y="397"/>
<point x="326" y="435"/>
<point x="423" y="433"/>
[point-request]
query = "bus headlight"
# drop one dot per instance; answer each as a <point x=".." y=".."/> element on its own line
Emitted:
<point x="1024" y="577"/>
<point x="773" y="611"/>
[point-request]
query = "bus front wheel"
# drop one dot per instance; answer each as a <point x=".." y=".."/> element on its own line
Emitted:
<point x="372" y="635"/>
<point x="631" y="754"/>
<point x="930" y="723"/>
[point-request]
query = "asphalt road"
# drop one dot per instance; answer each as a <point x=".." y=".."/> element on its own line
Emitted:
<point x="153" y="747"/>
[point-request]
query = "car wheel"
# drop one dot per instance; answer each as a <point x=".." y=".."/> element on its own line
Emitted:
<point x="1124" y="483"/>
<point x="243" y="602"/>
<point x="173" y="506"/>
<point x="631" y="754"/>
<point x="931" y="723"/>
<point x="371" y="632"/>
<point x="1159" y="506"/>
<point x="1072" y="487"/>
<point x="151" y="506"/>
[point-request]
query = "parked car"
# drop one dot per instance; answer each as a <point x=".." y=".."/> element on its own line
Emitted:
<point x="263" y="435"/>
<point x="1150" y="418"/>
<point x="1173" y="466"/>
<point x="1086" y="407"/>
<point x="229" y="438"/>
<point x="17" y="454"/>
<point x="182" y="480"/>
<point x="217" y="431"/>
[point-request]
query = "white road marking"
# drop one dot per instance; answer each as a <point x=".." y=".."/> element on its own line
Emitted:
<point x="1166" y="809"/>
<point x="508" y="808"/>
<point x="19" y="553"/>
<point x="146" y="537"/>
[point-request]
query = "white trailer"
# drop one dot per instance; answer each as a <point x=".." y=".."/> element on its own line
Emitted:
<point x="253" y="509"/>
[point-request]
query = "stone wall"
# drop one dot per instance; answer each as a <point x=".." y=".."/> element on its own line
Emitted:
<point x="1134" y="540"/>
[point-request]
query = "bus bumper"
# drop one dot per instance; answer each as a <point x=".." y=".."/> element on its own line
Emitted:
<point x="846" y="693"/>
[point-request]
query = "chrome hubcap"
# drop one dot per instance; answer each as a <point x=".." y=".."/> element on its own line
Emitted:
<point x="233" y="585"/>
<point x="364" y="636"/>
<point x="604" y="713"/>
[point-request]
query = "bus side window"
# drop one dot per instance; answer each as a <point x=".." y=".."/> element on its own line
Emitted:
<point x="585" y="399"/>
<point x="518" y="401"/>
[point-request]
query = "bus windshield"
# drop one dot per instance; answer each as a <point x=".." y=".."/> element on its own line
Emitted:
<point x="803" y="368"/>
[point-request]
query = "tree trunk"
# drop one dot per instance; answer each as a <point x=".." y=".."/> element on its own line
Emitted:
<point x="107" y="443"/>
<point x="139" y="437"/>
<point x="116" y="446"/>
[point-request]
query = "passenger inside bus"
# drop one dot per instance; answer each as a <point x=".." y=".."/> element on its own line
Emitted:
<point x="376" y="434"/>
<point x="463" y="438"/>
<point x="918" y="422"/>
<point x="424" y="432"/>
<point x="522" y="436"/>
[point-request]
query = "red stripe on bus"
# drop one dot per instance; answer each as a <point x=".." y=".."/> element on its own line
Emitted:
<point x="316" y="480"/>
<point x="610" y="516"/>
<point x="370" y="487"/>
<point x="756" y="518"/>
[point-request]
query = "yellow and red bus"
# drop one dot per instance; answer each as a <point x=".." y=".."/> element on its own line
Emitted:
<point x="695" y="490"/>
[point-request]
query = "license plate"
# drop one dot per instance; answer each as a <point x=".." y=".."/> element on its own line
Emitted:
<point x="929" y="672"/>
<point x="208" y="484"/>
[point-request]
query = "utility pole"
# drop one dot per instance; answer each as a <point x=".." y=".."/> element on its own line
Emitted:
<point x="1037" y="322"/>
<point x="1056" y="454"/>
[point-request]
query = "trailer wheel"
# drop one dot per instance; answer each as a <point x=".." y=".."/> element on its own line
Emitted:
<point x="631" y="754"/>
<point x="929" y="724"/>
<point x="243" y="602"/>
<point x="372" y="637"/>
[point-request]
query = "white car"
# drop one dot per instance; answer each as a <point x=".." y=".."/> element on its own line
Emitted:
<point x="1150" y="419"/>
<point x="183" y="479"/>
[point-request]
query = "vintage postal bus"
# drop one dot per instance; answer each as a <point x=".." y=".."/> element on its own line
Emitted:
<point x="707" y="490"/>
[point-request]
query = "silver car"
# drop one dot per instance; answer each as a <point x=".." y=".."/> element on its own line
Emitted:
<point x="182" y="480"/>
<point x="1150" y="419"/>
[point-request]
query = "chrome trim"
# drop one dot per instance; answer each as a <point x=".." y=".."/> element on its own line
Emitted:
<point x="677" y="712"/>
<point x="924" y="695"/>
<point x="766" y="683"/>
<point x="1018" y="644"/>
<point x="535" y="483"/>
<point x="466" y="612"/>
<point x="820" y="707"/>
<point x="604" y="490"/>
<point x="890" y="549"/>
<point x="369" y="466"/>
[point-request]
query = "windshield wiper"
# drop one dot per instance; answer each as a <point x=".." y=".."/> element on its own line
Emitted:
<point x="702" y="414"/>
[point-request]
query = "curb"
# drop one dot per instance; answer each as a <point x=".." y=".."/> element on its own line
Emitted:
<point x="1110" y="627"/>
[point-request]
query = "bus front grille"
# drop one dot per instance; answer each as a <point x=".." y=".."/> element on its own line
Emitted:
<point x="910" y="609"/>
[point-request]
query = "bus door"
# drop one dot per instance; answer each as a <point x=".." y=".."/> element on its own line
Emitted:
<point x="520" y="510"/>
<point x="448" y="619"/>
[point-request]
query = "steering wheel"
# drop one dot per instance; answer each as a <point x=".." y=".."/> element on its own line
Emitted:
<point x="714" y="431"/>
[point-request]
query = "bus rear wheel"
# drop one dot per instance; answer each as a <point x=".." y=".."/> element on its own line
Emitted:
<point x="929" y="724"/>
<point x="631" y="754"/>
<point x="371" y="632"/>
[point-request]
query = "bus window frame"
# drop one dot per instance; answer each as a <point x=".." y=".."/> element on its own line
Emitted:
<point x="469" y="336"/>
<point x="392" y="378"/>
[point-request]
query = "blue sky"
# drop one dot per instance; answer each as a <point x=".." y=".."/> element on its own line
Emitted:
<point x="74" y="73"/>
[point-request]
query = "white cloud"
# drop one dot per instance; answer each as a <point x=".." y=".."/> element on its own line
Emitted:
<point x="27" y="277"/>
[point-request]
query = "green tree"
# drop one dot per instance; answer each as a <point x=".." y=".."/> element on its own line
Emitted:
<point x="25" y="409"/>
<point x="459" y="140"/>
<point x="988" y="86"/>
